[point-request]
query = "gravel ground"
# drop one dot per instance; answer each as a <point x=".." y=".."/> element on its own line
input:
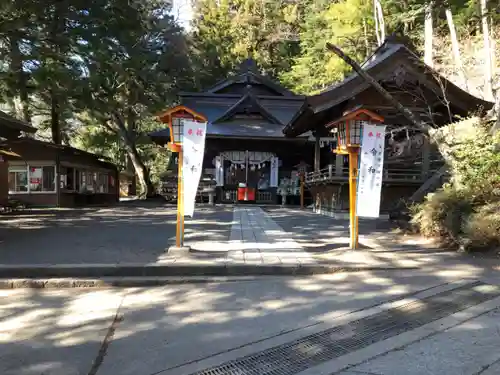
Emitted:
<point x="127" y="233"/>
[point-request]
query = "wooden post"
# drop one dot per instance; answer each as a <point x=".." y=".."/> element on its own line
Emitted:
<point x="302" y="177"/>
<point x="353" y="219"/>
<point x="426" y="153"/>
<point x="339" y="165"/>
<point x="179" y="238"/>
<point x="317" y="156"/>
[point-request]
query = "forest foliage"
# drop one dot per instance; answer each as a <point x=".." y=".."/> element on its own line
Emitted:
<point x="95" y="74"/>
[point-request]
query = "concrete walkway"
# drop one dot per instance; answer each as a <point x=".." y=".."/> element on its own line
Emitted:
<point x="255" y="238"/>
<point x="132" y="241"/>
<point x="410" y="322"/>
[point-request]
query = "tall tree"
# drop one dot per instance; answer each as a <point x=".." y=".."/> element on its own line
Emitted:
<point x="455" y="46"/>
<point x="228" y="31"/>
<point x="429" y="34"/>
<point x="17" y="31"/>
<point x="488" y="71"/>
<point x="349" y="24"/>
<point x="378" y="15"/>
<point x="135" y="67"/>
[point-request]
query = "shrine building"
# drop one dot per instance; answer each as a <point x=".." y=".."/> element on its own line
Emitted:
<point x="410" y="160"/>
<point x="245" y="143"/>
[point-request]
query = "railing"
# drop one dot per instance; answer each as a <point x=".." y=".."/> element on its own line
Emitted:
<point x="264" y="197"/>
<point x="329" y="174"/>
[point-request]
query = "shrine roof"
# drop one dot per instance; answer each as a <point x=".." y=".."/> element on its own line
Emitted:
<point x="283" y="111"/>
<point x="384" y="62"/>
<point x="275" y="115"/>
<point x="247" y="104"/>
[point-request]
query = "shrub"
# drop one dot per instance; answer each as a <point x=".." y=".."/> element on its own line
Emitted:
<point x="442" y="215"/>
<point x="465" y="212"/>
<point x="482" y="228"/>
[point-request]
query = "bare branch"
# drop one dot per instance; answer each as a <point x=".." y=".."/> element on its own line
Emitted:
<point x="409" y="115"/>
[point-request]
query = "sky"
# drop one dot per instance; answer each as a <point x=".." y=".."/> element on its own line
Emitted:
<point x="182" y="12"/>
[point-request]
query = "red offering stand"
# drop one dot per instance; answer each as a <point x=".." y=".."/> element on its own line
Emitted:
<point x="246" y="194"/>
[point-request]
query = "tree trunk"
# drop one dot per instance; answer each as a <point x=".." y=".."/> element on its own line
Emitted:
<point x="365" y="35"/>
<point x="21" y="81"/>
<point x="381" y="20"/>
<point x="456" y="47"/>
<point x="429" y="34"/>
<point x="409" y="115"/>
<point x="141" y="171"/>
<point x="55" y="119"/>
<point x="377" y="26"/>
<point x="55" y="104"/>
<point x="488" y="71"/>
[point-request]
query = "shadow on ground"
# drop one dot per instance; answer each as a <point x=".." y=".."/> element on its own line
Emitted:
<point x="127" y="233"/>
<point x="59" y="332"/>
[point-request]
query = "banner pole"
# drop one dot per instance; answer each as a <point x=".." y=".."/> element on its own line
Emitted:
<point x="353" y="164"/>
<point x="180" y="206"/>
<point x="181" y="196"/>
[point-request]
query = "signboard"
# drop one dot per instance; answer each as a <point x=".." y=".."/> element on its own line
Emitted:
<point x="36" y="175"/>
<point x="193" y="147"/>
<point x="370" y="171"/>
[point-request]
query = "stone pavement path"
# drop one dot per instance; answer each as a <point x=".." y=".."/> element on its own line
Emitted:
<point x="180" y="329"/>
<point x="256" y="236"/>
<point x="140" y="233"/>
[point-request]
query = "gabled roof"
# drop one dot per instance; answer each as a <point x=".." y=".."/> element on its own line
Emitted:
<point x="384" y="61"/>
<point x="249" y="75"/>
<point x="220" y="104"/>
<point x="246" y="104"/>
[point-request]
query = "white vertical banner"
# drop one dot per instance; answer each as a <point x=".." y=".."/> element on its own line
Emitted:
<point x="219" y="170"/>
<point x="370" y="171"/>
<point x="274" y="172"/>
<point x="193" y="147"/>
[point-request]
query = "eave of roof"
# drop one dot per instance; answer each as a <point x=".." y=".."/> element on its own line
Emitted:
<point x="72" y="150"/>
<point x="331" y="97"/>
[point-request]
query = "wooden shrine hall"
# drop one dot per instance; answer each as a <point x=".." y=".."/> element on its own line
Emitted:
<point x="409" y="158"/>
<point x="245" y="143"/>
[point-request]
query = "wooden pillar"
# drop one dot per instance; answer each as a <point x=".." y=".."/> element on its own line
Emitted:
<point x="426" y="158"/>
<point x="339" y="165"/>
<point x="317" y="156"/>
<point x="4" y="180"/>
<point x="58" y="180"/>
<point x="302" y="178"/>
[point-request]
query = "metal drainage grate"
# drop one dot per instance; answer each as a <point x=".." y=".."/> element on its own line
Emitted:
<point x="301" y="354"/>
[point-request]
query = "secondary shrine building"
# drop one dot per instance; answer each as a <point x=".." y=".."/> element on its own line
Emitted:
<point x="245" y="143"/>
<point x="410" y="160"/>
